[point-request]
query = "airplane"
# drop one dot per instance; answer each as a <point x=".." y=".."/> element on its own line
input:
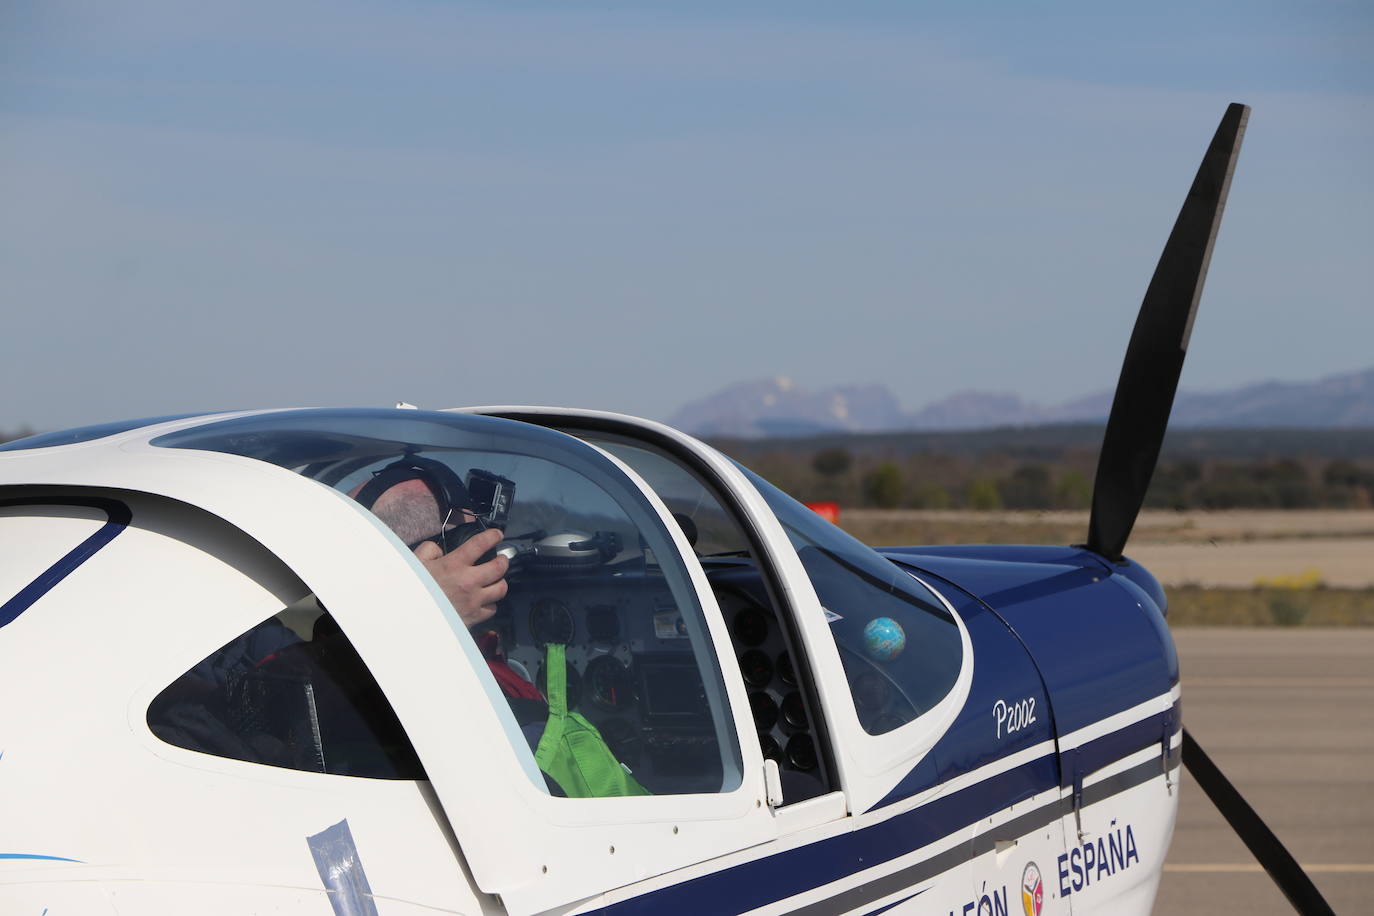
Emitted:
<point x="234" y="687"/>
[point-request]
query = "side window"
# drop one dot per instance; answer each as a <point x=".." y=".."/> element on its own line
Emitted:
<point x="900" y="646"/>
<point x="291" y="692"/>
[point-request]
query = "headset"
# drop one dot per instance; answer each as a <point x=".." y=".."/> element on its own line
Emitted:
<point x="452" y="496"/>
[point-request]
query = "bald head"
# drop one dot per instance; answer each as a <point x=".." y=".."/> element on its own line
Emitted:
<point x="410" y="510"/>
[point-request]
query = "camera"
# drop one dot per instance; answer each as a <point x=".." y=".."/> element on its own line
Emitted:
<point x="492" y="497"/>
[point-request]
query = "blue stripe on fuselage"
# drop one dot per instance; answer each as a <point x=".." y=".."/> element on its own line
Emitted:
<point x="750" y="885"/>
<point x="753" y="884"/>
<point x="117" y="515"/>
<point x="1152" y="731"/>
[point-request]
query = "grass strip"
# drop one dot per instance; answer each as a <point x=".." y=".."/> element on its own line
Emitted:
<point x="1194" y="605"/>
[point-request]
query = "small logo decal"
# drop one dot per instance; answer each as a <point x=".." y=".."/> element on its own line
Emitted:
<point x="1032" y="890"/>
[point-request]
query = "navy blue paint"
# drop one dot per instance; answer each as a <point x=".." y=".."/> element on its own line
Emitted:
<point x="754" y="884"/>
<point x="1054" y="587"/>
<point x="118" y="516"/>
<point x="933" y="557"/>
<point x="1002" y="670"/>
<point x="1099" y="651"/>
<point x="984" y="578"/>
<point x="999" y="673"/>
<point x="1101" y="645"/>
<point x="1154" y="614"/>
<point x="1000" y="553"/>
<point x="1150" y="732"/>
<point x="1145" y="581"/>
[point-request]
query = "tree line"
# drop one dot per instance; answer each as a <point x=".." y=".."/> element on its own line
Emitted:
<point x="1001" y="480"/>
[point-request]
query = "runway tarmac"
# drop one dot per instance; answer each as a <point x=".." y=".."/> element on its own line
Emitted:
<point x="1288" y="716"/>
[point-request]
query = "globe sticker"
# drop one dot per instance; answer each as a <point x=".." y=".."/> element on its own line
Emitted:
<point x="884" y="639"/>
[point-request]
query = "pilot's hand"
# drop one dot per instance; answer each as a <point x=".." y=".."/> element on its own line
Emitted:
<point x="473" y="589"/>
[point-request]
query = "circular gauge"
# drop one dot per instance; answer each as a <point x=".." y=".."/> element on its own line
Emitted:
<point x="872" y="692"/>
<point x="765" y="711"/>
<point x="756" y="668"/>
<point x="609" y="684"/>
<point x="574" y="689"/>
<point x="801" y="752"/>
<point x="770" y="747"/>
<point x="794" y="711"/>
<point x="551" y="622"/>
<point x="603" y="624"/>
<point x="751" y="627"/>
<point x="785" y="672"/>
<point x="624" y="741"/>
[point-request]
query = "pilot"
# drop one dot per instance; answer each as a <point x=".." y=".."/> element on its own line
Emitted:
<point x="407" y="496"/>
<point x="426" y="506"/>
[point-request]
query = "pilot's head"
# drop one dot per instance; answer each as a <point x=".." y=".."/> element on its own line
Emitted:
<point x="417" y="498"/>
<point x="411" y="511"/>
<point x="428" y="507"/>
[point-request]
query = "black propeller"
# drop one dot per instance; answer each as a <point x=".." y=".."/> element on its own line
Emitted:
<point x="1154" y="358"/>
<point x="1135" y="432"/>
<point x="1252" y="830"/>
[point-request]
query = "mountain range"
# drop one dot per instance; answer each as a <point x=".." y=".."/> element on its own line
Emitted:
<point x="780" y="407"/>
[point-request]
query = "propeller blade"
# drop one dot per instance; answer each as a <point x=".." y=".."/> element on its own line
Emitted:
<point x="1154" y="359"/>
<point x="1265" y="846"/>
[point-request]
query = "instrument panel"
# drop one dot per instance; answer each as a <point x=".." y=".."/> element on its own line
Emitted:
<point x="781" y="715"/>
<point x="633" y="673"/>
<point x="631" y="669"/>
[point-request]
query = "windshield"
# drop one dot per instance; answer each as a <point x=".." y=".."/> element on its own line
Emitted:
<point x="710" y="529"/>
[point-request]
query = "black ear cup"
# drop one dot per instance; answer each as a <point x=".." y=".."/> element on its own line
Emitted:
<point x="451" y="539"/>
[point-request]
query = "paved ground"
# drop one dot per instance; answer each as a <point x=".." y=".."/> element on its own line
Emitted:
<point x="1288" y="715"/>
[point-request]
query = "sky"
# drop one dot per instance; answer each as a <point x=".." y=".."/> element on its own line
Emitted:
<point x="630" y="206"/>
